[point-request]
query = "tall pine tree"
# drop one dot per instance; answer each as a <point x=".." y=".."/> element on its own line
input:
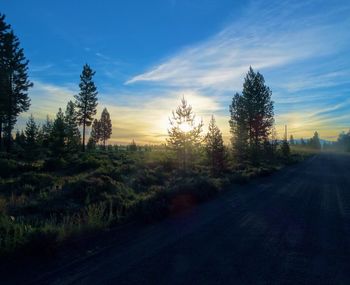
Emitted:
<point x="14" y="84"/>
<point x="86" y="100"/>
<point x="252" y="116"/>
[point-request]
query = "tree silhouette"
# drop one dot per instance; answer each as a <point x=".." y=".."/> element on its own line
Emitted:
<point x="86" y="100"/>
<point x="251" y="117"/>
<point x="31" y="133"/>
<point x="4" y="29"/>
<point x="95" y="134"/>
<point x="184" y="134"/>
<point x="239" y="128"/>
<point x="58" y="134"/>
<point x="14" y="81"/>
<point x="72" y="131"/>
<point x="215" y="147"/>
<point x="291" y="140"/>
<point x="314" y="142"/>
<point x="105" y="126"/>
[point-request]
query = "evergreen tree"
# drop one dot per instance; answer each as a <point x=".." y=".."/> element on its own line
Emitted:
<point x="251" y="117"/>
<point x="285" y="149"/>
<point x="95" y="134"/>
<point x="58" y="135"/>
<point x="215" y="147"/>
<point x="72" y="131"/>
<point x="4" y="29"/>
<point x="132" y="147"/>
<point x="14" y="84"/>
<point x="31" y="133"/>
<point x="20" y="139"/>
<point x="46" y="131"/>
<point x="314" y="142"/>
<point x="91" y="144"/>
<point x="86" y="100"/>
<point x="239" y="128"/>
<point x="259" y="109"/>
<point x="105" y="126"/>
<point x="184" y="134"/>
<point x="302" y="142"/>
<point x="291" y="140"/>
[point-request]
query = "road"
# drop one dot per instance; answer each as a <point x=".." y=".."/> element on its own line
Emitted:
<point x="290" y="228"/>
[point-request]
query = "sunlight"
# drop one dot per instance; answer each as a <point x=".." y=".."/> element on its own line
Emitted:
<point x="185" y="127"/>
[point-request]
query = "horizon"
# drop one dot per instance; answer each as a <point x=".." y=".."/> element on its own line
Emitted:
<point x="148" y="56"/>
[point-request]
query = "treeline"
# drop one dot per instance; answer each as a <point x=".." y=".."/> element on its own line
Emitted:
<point x="60" y="136"/>
<point x="313" y="143"/>
<point x="253" y="139"/>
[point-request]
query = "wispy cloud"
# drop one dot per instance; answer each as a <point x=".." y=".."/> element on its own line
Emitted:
<point x="266" y="37"/>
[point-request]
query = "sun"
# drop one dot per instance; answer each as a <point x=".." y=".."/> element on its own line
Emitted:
<point x="185" y="127"/>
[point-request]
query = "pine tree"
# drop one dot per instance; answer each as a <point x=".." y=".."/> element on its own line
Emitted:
<point x="46" y="130"/>
<point x="4" y="29"/>
<point x="106" y="126"/>
<point x="315" y="142"/>
<point x="184" y="134"/>
<point x="31" y="133"/>
<point x="215" y="147"/>
<point x="95" y="134"/>
<point x="239" y="128"/>
<point x="86" y="100"/>
<point x="14" y="84"/>
<point x="132" y="147"/>
<point x="291" y="140"/>
<point x="72" y="130"/>
<point x="58" y="134"/>
<point x="252" y="116"/>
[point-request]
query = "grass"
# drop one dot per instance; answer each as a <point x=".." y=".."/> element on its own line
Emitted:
<point x="46" y="203"/>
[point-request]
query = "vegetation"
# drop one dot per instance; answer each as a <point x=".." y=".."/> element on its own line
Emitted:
<point x="52" y="189"/>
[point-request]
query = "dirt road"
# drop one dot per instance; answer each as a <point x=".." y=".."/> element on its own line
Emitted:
<point x="290" y="228"/>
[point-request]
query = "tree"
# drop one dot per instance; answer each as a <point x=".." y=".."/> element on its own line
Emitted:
<point x="46" y="130"/>
<point x="259" y="110"/>
<point x="58" y="134"/>
<point x="215" y="147"/>
<point x="291" y="140"/>
<point x="314" y="142"/>
<point x="72" y="130"/>
<point x="252" y="116"/>
<point x="86" y="100"/>
<point x="14" y="81"/>
<point x="4" y="29"/>
<point x="184" y="134"/>
<point x="105" y="126"/>
<point x="285" y="149"/>
<point x="31" y="133"/>
<point x="95" y="134"/>
<point x="239" y="128"/>
<point x="132" y="147"/>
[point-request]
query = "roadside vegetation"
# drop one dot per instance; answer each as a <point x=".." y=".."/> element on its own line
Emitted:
<point x="54" y="186"/>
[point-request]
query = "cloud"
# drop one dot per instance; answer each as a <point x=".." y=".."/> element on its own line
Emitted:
<point x="265" y="37"/>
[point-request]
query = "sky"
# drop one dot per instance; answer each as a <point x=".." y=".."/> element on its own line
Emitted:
<point x="148" y="54"/>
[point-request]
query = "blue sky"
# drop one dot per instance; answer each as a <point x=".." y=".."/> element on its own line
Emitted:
<point x="147" y="54"/>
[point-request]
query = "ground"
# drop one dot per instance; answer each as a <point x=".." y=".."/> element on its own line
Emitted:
<point x="290" y="228"/>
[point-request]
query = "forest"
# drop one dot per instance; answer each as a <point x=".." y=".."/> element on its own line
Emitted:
<point x="62" y="179"/>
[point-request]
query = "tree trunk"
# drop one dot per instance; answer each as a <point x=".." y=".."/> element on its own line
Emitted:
<point x="83" y="136"/>
<point x="1" y="133"/>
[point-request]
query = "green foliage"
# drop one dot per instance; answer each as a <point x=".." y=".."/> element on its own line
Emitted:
<point x="252" y="117"/>
<point x="14" y="83"/>
<point x="215" y="147"/>
<point x="86" y="100"/>
<point x="184" y="135"/>
<point x="71" y="128"/>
